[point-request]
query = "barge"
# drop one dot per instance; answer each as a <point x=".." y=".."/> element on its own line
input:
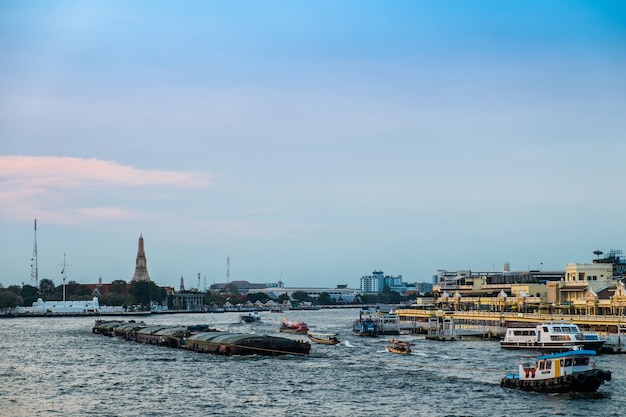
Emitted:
<point x="202" y="338"/>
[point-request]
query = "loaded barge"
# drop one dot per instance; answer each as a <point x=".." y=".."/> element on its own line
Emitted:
<point x="201" y="338"/>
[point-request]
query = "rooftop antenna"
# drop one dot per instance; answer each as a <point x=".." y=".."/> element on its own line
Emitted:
<point x="34" y="268"/>
<point x="198" y="281"/>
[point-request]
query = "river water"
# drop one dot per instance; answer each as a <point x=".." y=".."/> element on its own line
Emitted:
<point x="57" y="366"/>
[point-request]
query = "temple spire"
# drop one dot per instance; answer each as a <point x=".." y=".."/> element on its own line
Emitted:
<point x="141" y="268"/>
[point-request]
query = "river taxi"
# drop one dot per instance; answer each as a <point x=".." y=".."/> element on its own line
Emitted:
<point x="549" y="337"/>
<point x="399" y="346"/>
<point x="323" y="338"/>
<point x="571" y="371"/>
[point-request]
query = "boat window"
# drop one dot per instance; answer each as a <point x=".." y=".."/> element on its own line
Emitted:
<point x="568" y="362"/>
<point x="581" y="361"/>
<point x="542" y="365"/>
<point x="545" y="329"/>
<point x="548" y="364"/>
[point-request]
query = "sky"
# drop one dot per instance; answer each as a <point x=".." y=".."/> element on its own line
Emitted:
<point x="311" y="142"/>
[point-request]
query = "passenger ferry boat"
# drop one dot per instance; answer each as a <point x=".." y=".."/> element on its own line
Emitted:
<point x="549" y="337"/>
<point x="570" y="371"/>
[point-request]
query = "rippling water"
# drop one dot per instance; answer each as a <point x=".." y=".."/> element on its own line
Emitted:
<point x="56" y="366"/>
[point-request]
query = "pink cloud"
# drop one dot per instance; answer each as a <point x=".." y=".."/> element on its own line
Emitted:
<point x="68" y="171"/>
<point x="56" y="187"/>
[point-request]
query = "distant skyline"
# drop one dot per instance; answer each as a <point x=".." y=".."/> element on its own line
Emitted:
<point x="312" y="142"/>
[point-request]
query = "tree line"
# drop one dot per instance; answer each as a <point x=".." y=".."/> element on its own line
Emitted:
<point x="145" y="293"/>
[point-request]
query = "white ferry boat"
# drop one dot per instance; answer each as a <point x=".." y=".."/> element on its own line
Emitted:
<point x="550" y="337"/>
<point x="571" y="371"/>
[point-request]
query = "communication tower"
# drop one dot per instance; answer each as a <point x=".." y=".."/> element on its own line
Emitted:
<point x="34" y="268"/>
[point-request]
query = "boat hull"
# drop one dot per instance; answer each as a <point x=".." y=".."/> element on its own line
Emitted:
<point x="322" y="341"/>
<point x="399" y="351"/>
<point x="552" y="347"/>
<point x="201" y="338"/>
<point x="587" y="381"/>
<point x="293" y="330"/>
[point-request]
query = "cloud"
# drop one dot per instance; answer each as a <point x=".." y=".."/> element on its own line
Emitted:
<point x="63" y="189"/>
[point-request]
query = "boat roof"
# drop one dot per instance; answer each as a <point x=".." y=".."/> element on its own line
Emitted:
<point x="228" y="337"/>
<point x="568" y="353"/>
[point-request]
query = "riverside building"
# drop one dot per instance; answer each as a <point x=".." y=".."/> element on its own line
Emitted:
<point x="588" y="288"/>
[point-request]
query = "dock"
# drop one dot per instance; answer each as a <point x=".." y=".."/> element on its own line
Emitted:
<point x="456" y="325"/>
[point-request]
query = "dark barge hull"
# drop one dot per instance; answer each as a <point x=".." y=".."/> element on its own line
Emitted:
<point x="587" y="381"/>
<point x="203" y="339"/>
<point x="226" y="343"/>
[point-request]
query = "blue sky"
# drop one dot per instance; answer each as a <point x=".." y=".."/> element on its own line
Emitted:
<point x="309" y="141"/>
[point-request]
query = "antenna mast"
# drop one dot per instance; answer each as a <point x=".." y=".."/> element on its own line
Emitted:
<point x="34" y="268"/>
<point x="228" y="269"/>
<point x="64" y="274"/>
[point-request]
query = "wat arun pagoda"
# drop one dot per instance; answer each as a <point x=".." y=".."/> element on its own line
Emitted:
<point x="141" y="268"/>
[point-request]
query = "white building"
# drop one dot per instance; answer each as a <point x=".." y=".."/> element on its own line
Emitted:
<point x="40" y="308"/>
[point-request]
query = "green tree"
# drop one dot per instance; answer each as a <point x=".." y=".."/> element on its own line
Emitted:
<point x="212" y="298"/>
<point x="46" y="286"/>
<point x="119" y="286"/>
<point x="325" y="299"/>
<point x="283" y="297"/>
<point x="83" y="291"/>
<point x="257" y="296"/>
<point x="145" y="292"/>
<point x="113" y="299"/>
<point x="29" y="294"/>
<point x="301" y="296"/>
<point x="8" y="299"/>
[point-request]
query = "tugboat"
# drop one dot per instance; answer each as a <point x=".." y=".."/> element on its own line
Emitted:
<point x="365" y="326"/>
<point x="570" y="371"/>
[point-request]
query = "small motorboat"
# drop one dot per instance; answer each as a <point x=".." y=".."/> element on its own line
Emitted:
<point x="399" y="346"/>
<point x="323" y="338"/>
<point x="570" y="371"/>
<point x="250" y="317"/>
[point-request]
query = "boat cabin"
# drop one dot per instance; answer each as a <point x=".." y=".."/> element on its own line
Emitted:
<point x="555" y="365"/>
